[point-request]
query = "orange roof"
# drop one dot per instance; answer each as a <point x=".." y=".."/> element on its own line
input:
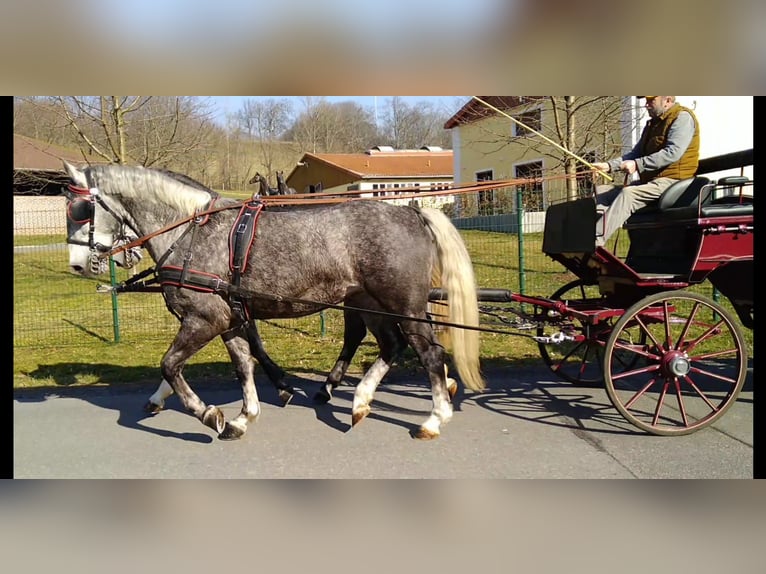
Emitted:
<point x="29" y="153"/>
<point x="402" y="163"/>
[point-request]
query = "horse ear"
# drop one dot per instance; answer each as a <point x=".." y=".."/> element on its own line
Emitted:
<point x="76" y="175"/>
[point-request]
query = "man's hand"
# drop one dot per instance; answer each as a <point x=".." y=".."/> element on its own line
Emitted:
<point x="628" y="166"/>
<point x="601" y="166"/>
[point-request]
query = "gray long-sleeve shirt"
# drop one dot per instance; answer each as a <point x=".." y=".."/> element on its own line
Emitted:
<point x="678" y="139"/>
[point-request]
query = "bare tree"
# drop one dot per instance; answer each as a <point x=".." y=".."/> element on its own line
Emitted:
<point x="36" y="117"/>
<point x="323" y="127"/>
<point x="414" y="126"/>
<point x="306" y="128"/>
<point x="358" y="131"/>
<point x="149" y="130"/>
<point x="263" y="123"/>
<point x="588" y="127"/>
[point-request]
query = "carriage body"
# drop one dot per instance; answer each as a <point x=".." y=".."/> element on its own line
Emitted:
<point x="672" y="359"/>
<point x="639" y="324"/>
<point x="669" y="249"/>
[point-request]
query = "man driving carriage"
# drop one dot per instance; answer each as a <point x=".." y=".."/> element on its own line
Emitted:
<point x="668" y="151"/>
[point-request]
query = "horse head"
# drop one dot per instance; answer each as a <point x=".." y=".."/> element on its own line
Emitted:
<point x="266" y="189"/>
<point x="93" y="230"/>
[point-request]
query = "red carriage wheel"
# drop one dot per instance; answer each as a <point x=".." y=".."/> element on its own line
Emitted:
<point x="691" y="363"/>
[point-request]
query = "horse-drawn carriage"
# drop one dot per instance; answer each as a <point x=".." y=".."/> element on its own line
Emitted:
<point x="672" y="359"/>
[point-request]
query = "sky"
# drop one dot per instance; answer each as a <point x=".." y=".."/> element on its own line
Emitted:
<point x="225" y="105"/>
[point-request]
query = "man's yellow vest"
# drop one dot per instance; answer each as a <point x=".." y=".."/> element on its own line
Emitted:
<point x="653" y="139"/>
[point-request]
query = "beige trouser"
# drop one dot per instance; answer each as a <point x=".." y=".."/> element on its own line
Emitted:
<point x="618" y="202"/>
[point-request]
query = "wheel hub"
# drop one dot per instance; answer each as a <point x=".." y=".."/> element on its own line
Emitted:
<point x="676" y="364"/>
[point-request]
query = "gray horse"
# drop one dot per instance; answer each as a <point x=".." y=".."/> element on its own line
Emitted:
<point x="369" y="255"/>
<point x="80" y="211"/>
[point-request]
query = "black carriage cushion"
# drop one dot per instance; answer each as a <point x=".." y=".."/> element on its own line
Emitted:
<point x="677" y="202"/>
<point x="684" y="193"/>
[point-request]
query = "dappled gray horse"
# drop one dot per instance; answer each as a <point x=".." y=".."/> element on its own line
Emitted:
<point x="81" y="207"/>
<point x="368" y="255"/>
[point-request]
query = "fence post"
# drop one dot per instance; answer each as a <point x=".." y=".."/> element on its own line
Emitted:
<point x="717" y="299"/>
<point x="520" y="226"/>
<point x="322" y="327"/>
<point x="115" y="306"/>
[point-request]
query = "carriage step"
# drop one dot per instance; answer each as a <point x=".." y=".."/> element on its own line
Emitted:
<point x="485" y="295"/>
<point x="657" y="276"/>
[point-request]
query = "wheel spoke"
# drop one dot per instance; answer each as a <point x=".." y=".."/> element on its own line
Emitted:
<point x="648" y="332"/>
<point x="640" y="393"/>
<point x="680" y="399"/>
<point x="687" y="326"/>
<point x="637" y="349"/>
<point x="699" y="392"/>
<point x="634" y="372"/>
<point x="668" y="336"/>
<point x="713" y="375"/>
<point x="712" y="331"/>
<point x="660" y="402"/>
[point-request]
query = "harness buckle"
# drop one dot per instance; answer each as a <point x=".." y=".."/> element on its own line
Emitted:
<point x="239" y="309"/>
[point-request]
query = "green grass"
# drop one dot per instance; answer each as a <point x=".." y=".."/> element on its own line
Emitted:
<point x="63" y="332"/>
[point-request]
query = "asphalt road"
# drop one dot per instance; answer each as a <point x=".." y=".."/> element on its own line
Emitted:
<point x="528" y="424"/>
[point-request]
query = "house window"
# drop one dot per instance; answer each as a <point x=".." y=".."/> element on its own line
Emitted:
<point x="531" y="119"/>
<point x="486" y="199"/>
<point x="532" y="189"/>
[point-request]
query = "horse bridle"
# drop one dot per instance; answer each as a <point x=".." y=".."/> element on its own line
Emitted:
<point x="81" y="209"/>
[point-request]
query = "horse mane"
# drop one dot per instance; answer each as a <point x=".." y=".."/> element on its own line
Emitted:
<point x="188" y="181"/>
<point x="177" y="190"/>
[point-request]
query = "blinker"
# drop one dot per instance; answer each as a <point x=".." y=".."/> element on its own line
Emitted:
<point x="80" y="210"/>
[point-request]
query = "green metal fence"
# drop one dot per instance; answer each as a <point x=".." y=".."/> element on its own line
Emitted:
<point x="54" y="307"/>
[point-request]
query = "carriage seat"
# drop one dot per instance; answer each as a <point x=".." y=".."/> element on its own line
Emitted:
<point x="730" y="205"/>
<point x="665" y="238"/>
<point x="679" y="201"/>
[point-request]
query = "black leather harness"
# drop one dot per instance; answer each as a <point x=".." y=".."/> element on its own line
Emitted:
<point x="241" y="239"/>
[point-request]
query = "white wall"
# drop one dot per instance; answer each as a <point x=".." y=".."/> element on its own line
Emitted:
<point x="726" y="125"/>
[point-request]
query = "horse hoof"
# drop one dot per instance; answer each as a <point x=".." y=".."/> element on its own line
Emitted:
<point x="151" y="408"/>
<point x="322" y="396"/>
<point x="358" y="416"/>
<point x="425" y="434"/>
<point x="285" y="396"/>
<point x="231" y="432"/>
<point x="451" y="388"/>
<point x="213" y="418"/>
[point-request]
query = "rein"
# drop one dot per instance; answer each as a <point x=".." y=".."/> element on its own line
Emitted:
<point x="211" y="283"/>
<point x="197" y="217"/>
<point x="215" y="284"/>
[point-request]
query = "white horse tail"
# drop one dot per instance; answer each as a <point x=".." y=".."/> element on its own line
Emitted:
<point x="459" y="282"/>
